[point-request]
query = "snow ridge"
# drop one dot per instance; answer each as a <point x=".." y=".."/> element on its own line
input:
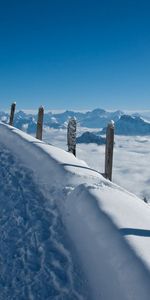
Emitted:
<point x="79" y="228"/>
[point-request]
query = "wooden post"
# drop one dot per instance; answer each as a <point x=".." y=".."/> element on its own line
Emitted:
<point x="39" y="127"/>
<point x="71" y="136"/>
<point x="109" y="150"/>
<point x="12" y="113"/>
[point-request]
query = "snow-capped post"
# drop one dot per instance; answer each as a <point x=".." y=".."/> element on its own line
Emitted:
<point x="12" y="113"/>
<point x="39" y="127"/>
<point x="71" y="135"/>
<point x="109" y="150"/>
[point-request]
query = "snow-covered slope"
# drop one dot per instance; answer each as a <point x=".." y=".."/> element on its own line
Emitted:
<point x="66" y="232"/>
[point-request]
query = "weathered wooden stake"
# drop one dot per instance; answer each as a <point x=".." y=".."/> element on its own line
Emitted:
<point x="71" y="135"/>
<point x="12" y="113"/>
<point x="109" y="150"/>
<point x="39" y="127"/>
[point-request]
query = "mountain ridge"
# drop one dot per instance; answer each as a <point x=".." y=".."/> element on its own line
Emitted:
<point x="97" y="118"/>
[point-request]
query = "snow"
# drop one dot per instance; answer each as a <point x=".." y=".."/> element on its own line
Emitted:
<point x="67" y="232"/>
<point x="36" y="260"/>
<point x="116" y="272"/>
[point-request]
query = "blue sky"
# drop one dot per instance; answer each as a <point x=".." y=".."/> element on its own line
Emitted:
<point x="75" y="54"/>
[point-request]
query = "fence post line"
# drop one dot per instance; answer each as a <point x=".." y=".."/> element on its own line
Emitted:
<point x="12" y="113"/>
<point x="109" y="150"/>
<point x="71" y="136"/>
<point x="39" y="127"/>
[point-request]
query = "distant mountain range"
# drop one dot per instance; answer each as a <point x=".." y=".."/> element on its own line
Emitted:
<point x="131" y="125"/>
<point x="97" y="118"/>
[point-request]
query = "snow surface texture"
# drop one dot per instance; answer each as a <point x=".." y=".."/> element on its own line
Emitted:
<point x="66" y="232"/>
<point x="35" y="256"/>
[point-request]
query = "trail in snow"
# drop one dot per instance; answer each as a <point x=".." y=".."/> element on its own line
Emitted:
<point x="35" y="251"/>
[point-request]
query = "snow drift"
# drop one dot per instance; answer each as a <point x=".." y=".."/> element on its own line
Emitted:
<point x="109" y="227"/>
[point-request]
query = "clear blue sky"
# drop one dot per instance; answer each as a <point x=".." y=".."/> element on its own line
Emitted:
<point x="75" y="54"/>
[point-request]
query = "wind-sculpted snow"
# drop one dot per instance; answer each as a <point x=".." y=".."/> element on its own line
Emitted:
<point x="66" y="231"/>
<point x="35" y="257"/>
